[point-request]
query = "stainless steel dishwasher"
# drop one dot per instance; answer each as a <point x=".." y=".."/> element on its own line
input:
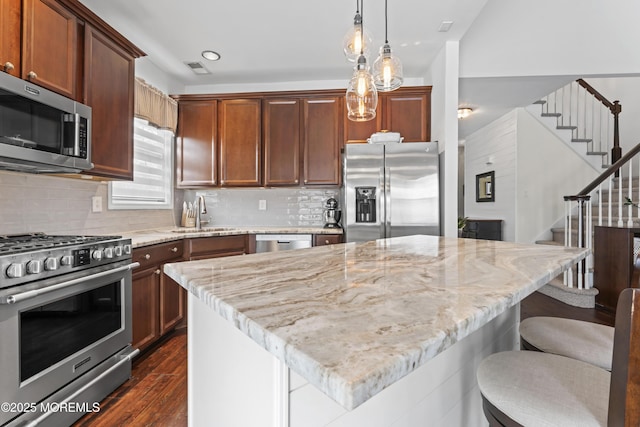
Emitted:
<point x="282" y="242"/>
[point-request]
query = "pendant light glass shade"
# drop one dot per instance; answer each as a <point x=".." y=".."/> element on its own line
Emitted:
<point x="357" y="40"/>
<point x="362" y="95"/>
<point x="387" y="70"/>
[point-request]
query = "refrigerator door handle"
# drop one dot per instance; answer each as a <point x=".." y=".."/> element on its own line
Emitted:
<point x="382" y="204"/>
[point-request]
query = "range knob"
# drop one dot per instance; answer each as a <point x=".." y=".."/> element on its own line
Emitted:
<point x="127" y="249"/>
<point x="15" y="270"/>
<point x="108" y="253"/>
<point x="97" y="254"/>
<point x="51" y="264"/>
<point x="66" y="260"/>
<point x="34" y="266"/>
<point x="118" y="250"/>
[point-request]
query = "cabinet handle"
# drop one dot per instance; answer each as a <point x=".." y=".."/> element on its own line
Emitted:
<point x="8" y="66"/>
<point x="32" y="75"/>
<point x="157" y="272"/>
<point x="147" y="256"/>
<point x="174" y="249"/>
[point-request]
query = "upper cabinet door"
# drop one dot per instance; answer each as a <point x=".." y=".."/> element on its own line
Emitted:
<point x="240" y="127"/>
<point x="50" y="46"/>
<point x="10" y="19"/>
<point x="322" y="140"/>
<point x="409" y="114"/>
<point x="109" y="88"/>
<point x="196" y="144"/>
<point x="281" y="124"/>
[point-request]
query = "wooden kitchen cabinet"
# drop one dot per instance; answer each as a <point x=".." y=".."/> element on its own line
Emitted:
<point x="158" y="302"/>
<point x="282" y="127"/>
<point x="10" y="24"/>
<point x="50" y="48"/>
<point x="406" y="110"/>
<point x="326" y="239"/>
<point x="220" y="246"/>
<point x="240" y="132"/>
<point x="322" y="140"/>
<point x="109" y="74"/>
<point x="196" y="155"/>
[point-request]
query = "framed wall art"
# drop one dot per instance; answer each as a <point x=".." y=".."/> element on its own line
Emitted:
<point x="485" y="187"/>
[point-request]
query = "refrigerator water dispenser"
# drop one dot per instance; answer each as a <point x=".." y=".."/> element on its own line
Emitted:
<point x="365" y="204"/>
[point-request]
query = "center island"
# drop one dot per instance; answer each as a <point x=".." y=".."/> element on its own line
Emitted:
<point x="380" y="333"/>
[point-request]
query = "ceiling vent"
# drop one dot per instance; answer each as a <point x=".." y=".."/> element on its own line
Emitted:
<point x="197" y="68"/>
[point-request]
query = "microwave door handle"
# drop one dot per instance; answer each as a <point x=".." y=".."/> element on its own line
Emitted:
<point x="76" y="135"/>
<point x="12" y="299"/>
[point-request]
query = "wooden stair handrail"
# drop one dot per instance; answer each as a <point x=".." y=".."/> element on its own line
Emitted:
<point x="616" y="109"/>
<point x="606" y="174"/>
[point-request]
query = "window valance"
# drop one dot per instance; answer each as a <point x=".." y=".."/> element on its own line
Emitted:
<point x="155" y="107"/>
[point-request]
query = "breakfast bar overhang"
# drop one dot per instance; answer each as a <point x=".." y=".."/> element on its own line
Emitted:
<point x="379" y="333"/>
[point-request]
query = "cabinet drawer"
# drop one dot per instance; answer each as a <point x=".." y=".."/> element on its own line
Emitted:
<point x="216" y="245"/>
<point x="158" y="254"/>
<point x="326" y="239"/>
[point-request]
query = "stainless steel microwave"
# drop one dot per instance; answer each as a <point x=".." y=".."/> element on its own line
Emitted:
<point x="42" y="131"/>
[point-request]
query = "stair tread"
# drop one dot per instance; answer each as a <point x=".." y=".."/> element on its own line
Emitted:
<point x="540" y="101"/>
<point x="581" y="140"/>
<point x="551" y="114"/>
<point x="597" y="153"/>
<point x="567" y="127"/>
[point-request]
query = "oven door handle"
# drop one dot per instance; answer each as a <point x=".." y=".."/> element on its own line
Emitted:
<point x="12" y="299"/>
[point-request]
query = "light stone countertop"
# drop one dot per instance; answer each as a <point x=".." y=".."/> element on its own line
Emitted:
<point x="354" y="318"/>
<point x="169" y="234"/>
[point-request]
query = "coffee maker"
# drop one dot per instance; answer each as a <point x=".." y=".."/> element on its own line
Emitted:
<point x="332" y="214"/>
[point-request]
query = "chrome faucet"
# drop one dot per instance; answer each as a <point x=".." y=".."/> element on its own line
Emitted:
<point x="201" y="208"/>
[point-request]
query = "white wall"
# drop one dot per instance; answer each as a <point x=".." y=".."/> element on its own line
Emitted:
<point x="547" y="170"/>
<point x="550" y="37"/>
<point x="493" y="148"/>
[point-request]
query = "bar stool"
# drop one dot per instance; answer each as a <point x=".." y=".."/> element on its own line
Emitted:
<point x="528" y="388"/>
<point x="586" y="341"/>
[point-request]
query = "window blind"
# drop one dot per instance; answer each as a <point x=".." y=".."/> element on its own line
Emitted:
<point x="152" y="167"/>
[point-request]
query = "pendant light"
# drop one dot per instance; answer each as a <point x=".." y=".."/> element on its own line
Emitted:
<point x="357" y="40"/>
<point x="362" y="95"/>
<point x="387" y="68"/>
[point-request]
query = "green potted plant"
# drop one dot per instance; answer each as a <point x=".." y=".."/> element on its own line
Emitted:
<point x="462" y="222"/>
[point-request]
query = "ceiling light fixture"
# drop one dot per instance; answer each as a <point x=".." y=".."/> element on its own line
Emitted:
<point x="362" y="95"/>
<point x="464" y="112"/>
<point x="387" y="69"/>
<point x="356" y="40"/>
<point x="210" y="55"/>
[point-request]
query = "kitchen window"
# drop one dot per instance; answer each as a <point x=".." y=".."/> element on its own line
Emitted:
<point x="151" y="187"/>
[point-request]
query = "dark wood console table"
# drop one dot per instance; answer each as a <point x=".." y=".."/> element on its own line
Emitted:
<point x="487" y="229"/>
<point x="614" y="266"/>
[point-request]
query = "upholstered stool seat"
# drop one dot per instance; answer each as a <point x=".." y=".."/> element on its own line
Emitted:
<point x="538" y="389"/>
<point x="586" y="341"/>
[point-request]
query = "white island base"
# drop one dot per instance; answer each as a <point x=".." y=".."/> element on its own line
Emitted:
<point x="235" y="382"/>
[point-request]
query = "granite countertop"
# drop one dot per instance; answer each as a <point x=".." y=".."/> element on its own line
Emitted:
<point x="160" y="235"/>
<point x="354" y="318"/>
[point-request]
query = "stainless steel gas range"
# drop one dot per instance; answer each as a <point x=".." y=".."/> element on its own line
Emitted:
<point x="65" y="325"/>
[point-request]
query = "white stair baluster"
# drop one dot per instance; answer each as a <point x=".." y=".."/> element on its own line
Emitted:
<point x="630" y="210"/>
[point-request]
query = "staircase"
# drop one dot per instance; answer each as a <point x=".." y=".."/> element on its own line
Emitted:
<point x="588" y="123"/>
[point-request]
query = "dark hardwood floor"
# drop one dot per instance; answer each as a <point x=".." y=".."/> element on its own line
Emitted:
<point x="156" y="395"/>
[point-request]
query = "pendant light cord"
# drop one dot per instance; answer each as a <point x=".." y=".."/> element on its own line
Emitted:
<point x="361" y="27"/>
<point x="386" y="38"/>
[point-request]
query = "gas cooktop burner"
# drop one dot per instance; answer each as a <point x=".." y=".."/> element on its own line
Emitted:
<point x="32" y="242"/>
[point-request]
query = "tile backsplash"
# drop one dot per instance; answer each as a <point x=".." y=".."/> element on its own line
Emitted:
<point x="57" y="205"/>
<point x="297" y="207"/>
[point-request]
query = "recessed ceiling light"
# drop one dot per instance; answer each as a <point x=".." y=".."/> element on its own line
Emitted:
<point x="210" y="55"/>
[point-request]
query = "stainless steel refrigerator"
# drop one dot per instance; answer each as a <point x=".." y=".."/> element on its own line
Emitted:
<point x="390" y="190"/>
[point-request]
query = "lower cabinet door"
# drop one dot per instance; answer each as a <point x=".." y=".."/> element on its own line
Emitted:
<point x="144" y="307"/>
<point x="172" y="304"/>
